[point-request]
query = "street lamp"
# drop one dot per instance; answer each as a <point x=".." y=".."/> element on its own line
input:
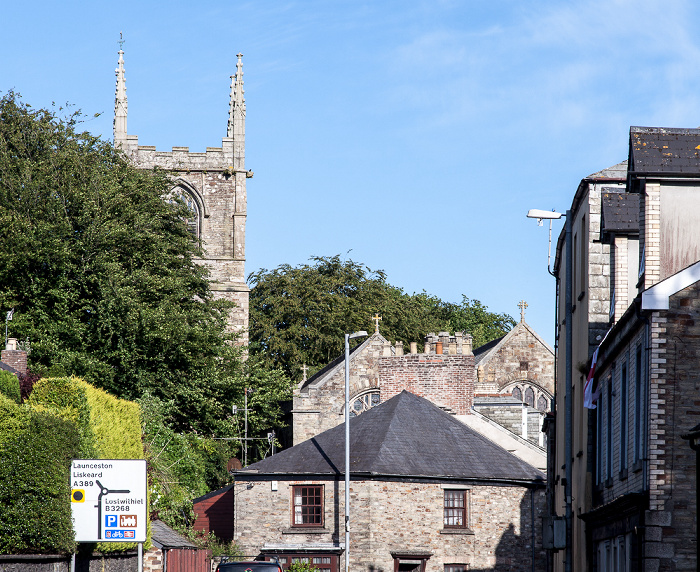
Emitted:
<point x="553" y="215"/>
<point x="348" y="337"/>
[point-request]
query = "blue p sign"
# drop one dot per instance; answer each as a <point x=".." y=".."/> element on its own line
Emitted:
<point x="111" y="520"/>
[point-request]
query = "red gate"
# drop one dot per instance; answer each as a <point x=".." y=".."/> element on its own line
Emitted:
<point x="187" y="560"/>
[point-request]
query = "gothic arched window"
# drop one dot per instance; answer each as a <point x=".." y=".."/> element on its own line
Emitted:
<point x="193" y="221"/>
<point x="364" y="402"/>
<point x="517" y="393"/>
<point x="542" y="403"/>
<point x="529" y="397"/>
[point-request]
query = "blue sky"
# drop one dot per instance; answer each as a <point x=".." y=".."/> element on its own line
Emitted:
<point x="411" y="136"/>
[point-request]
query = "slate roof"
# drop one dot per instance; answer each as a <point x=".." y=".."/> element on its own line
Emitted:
<point x="620" y="212"/>
<point x="664" y="150"/>
<point x="483" y="351"/>
<point x="9" y="368"/>
<point x="165" y="537"/>
<point x="406" y="436"/>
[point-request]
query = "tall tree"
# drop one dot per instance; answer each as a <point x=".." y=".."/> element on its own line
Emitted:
<point x="298" y="315"/>
<point x="102" y="271"/>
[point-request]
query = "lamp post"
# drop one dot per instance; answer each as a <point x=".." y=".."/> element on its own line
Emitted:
<point x="568" y="302"/>
<point x="348" y="337"/>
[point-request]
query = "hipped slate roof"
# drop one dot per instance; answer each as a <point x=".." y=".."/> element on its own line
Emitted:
<point x="664" y="150"/>
<point x="406" y="436"/>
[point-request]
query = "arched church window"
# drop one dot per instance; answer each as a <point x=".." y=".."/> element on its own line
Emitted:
<point x="186" y="197"/>
<point x="517" y="393"/>
<point x="529" y="397"/>
<point x="542" y="403"/>
<point x="364" y="402"/>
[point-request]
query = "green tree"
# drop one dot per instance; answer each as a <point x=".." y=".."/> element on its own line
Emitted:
<point x="299" y="315"/>
<point x="103" y="273"/>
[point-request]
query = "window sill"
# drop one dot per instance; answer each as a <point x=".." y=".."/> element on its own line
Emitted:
<point x="306" y="530"/>
<point x="623" y="474"/>
<point x="637" y="466"/>
<point x="608" y="483"/>
<point x="467" y="531"/>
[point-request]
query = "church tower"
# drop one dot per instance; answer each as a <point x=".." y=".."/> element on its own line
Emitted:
<point x="213" y="184"/>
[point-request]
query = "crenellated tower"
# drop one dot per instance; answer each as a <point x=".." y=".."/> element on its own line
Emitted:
<point x="213" y="184"/>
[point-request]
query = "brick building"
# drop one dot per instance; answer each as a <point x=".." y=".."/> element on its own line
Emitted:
<point x="213" y="185"/>
<point x="426" y="493"/>
<point x="639" y="281"/>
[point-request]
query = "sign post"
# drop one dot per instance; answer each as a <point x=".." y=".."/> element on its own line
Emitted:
<point x="108" y="500"/>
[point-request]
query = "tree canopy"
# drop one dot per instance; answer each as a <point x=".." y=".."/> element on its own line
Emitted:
<point x="102" y="272"/>
<point x="299" y="315"/>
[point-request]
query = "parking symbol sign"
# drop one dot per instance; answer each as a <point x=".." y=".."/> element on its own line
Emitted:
<point x="111" y="521"/>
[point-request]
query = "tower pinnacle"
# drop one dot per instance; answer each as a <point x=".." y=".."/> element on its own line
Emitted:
<point x="236" y="113"/>
<point x="120" y="105"/>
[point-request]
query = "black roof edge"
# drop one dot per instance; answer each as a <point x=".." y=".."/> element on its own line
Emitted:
<point x="220" y="491"/>
<point x="265" y="477"/>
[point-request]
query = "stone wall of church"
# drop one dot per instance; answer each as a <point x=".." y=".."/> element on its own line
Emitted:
<point x="219" y="193"/>
<point x="445" y="380"/>
<point x="321" y="407"/>
<point x="395" y="516"/>
<point x="524" y="357"/>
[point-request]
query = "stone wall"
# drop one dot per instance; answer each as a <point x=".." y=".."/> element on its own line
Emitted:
<point x="524" y="357"/>
<point x="510" y="415"/>
<point x="321" y="406"/>
<point x="674" y="384"/>
<point x="398" y="515"/>
<point x="126" y="562"/>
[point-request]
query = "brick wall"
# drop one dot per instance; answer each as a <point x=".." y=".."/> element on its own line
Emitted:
<point x="391" y="515"/>
<point x="674" y="409"/>
<point x="445" y="380"/>
<point x="15" y="358"/>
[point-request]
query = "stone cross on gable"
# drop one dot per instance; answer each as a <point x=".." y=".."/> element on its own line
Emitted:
<point x="304" y="369"/>
<point x="522" y="305"/>
<point x="376" y="319"/>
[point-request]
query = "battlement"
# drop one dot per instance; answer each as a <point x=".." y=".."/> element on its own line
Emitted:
<point x="179" y="159"/>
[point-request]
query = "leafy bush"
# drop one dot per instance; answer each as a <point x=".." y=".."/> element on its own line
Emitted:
<point x="301" y="567"/>
<point x="35" y="512"/>
<point x="66" y="398"/>
<point x="9" y="385"/>
<point x="181" y="466"/>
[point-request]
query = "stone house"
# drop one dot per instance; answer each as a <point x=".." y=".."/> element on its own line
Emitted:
<point x="426" y="493"/>
<point x="634" y="481"/>
<point x="447" y="374"/>
<point x="213" y="185"/>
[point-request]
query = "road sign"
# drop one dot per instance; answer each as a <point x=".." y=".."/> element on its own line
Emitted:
<point x="108" y="500"/>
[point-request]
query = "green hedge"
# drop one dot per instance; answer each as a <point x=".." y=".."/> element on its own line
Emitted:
<point x="35" y="457"/>
<point x="9" y="386"/>
<point x="66" y="398"/>
<point x="115" y="424"/>
<point x="64" y="418"/>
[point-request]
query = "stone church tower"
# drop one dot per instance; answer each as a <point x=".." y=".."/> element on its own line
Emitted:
<point x="213" y="184"/>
